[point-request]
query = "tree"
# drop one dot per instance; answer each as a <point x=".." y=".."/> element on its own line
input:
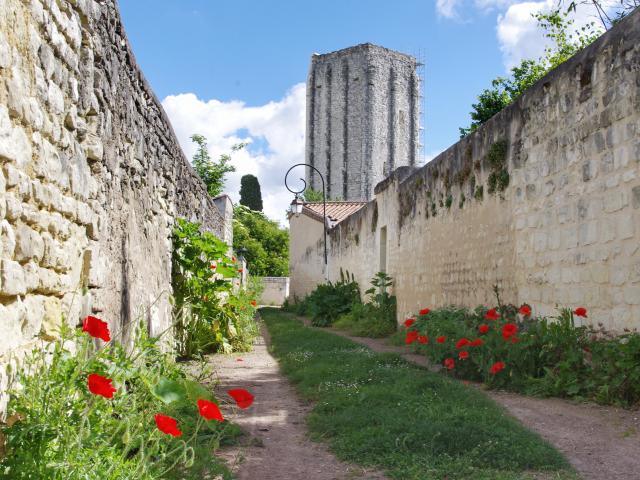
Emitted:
<point x="266" y="244"/>
<point x="505" y="91"/>
<point x="609" y="13"/>
<point x="250" y="195"/>
<point x="212" y="173"/>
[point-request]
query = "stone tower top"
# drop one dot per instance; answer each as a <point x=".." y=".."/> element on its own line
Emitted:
<point x="362" y="118"/>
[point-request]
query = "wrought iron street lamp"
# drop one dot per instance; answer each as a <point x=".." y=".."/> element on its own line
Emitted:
<point x="297" y="204"/>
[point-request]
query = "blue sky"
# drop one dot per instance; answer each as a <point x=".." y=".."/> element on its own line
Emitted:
<point x="234" y="71"/>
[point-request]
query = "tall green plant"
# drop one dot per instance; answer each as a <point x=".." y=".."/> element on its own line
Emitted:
<point x="60" y="427"/>
<point x="209" y="313"/>
<point x="265" y="243"/>
<point x="212" y="173"/>
<point x="250" y="195"/>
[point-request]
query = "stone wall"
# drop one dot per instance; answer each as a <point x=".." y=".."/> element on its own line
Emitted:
<point x="561" y="225"/>
<point x="275" y="292"/>
<point x="362" y="118"/>
<point x="91" y="175"/>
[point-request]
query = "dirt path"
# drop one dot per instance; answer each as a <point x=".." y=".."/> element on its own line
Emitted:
<point x="602" y="443"/>
<point x="277" y="446"/>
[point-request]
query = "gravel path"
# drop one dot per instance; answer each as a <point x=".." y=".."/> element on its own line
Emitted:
<point x="602" y="443"/>
<point x="278" y="447"/>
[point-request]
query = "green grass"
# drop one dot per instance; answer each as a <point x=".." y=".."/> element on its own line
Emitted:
<point x="378" y="411"/>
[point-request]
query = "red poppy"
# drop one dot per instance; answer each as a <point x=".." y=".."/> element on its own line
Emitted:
<point x="496" y="367"/>
<point x="463" y="342"/>
<point x="441" y="339"/>
<point x="242" y="397"/>
<point x="233" y="259"/>
<point x="209" y="410"/>
<point x="581" y="312"/>
<point x="99" y="385"/>
<point x="463" y="355"/>
<point x="449" y="363"/>
<point x="424" y="311"/>
<point x="408" y="322"/>
<point x="423" y="339"/>
<point x="239" y="360"/>
<point x="476" y="343"/>
<point x="96" y="328"/>
<point x="509" y="330"/>
<point x="239" y="270"/>
<point x="492" y="314"/>
<point x="167" y="425"/>
<point x="411" y="337"/>
<point x="484" y="328"/>
<point x="213" y="266"/>
<point x="525" y="310"/>
<point x="253" y="302"/>
<point x="514" y="339"/>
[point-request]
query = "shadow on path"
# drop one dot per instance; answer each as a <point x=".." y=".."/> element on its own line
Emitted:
<point x="279" y="448"/>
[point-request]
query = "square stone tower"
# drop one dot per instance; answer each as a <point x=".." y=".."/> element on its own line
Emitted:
<point x="362" y="118"/>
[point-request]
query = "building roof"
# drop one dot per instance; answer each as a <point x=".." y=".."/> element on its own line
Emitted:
<point x="336" y="211"/>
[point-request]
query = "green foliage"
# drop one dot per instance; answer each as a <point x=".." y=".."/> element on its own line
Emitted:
<point x="250" y="195"/>
<point x="266" y="244"/>
<point x="311" y="195"/>
<point x="210" y="316"/>
<point x="498" y="179"/>
<point x="380" y="412"/>
<point x="377" y="318"/>
<point x="550" y="356"/>
<point x="479" y="193"/>
<point x="58" y="430"/>
<point x="212" y="173"/>
<point x="504" y="91"/>
<point x="330" y="300"/>
<point x="609" y="13"/>
<point x="449" y="201"/>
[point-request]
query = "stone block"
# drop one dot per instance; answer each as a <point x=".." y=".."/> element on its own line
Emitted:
<point x="10" y="327"/>
<point x="34" y="315"/>
<point x="29" y="244"/>
<point x="31" y="277"/>
<point x="13" y="207"/>
<point x="7" y="240"/>
<point x="626" y="227"/>
<point x="635" y="197"/>
<point x="12" y="281"/>
<point x="632" y="294"/>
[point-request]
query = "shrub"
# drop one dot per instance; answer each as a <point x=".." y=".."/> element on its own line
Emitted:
<point x="211" y="315"/>
<point x="330" y="300"/>
<point x="60" y="425"/>
<point x="376" y="318"/>
<point x="541" y="356"/>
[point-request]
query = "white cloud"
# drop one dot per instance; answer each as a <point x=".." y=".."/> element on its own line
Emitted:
<point x="519" y="35"/>
<point x="275" y="132"/>
<point x="447" y="8"/>
<point x="517" y="30"/>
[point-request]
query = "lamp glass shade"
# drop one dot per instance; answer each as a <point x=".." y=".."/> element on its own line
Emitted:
<point x="296" y="206"/>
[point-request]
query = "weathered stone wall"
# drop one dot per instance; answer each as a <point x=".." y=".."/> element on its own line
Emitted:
<point x="362" y="118"/>
<point x="276" y="290"/>
<point x="566" y="229"/>
<point x="91" y="175"/>
<point x="306" y="255"/>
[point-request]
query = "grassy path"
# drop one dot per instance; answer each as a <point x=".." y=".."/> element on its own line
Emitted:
<point x="379" y="411"/>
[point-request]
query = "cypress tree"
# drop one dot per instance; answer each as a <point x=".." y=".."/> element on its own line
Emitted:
<point x="250" y="195"/>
